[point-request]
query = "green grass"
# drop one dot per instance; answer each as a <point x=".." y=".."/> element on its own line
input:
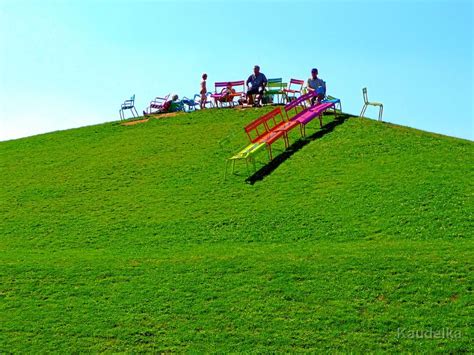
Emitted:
<point x="127" y="239"/>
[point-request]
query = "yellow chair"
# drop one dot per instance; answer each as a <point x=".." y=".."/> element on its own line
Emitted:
<point x="367" y="103"/>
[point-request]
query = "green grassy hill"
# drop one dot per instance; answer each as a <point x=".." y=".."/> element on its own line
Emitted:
<point x="122" y="238"/>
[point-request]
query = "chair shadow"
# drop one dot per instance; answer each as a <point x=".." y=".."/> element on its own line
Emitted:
<point x="267" y="169"/>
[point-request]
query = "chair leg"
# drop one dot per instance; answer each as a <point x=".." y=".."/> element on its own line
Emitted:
<point x="269" y="146"/>
<point x="363" y="111"/>
<point x="120" y="114"/>
<point x="380" y="112"/>
<point x="225" y="171"/>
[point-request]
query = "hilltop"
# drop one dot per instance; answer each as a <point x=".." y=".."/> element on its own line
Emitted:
<point x="127" y="238"/>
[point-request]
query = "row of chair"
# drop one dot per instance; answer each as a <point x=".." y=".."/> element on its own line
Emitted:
<point x="272" y="126"/>
<point x="275" y="87"/>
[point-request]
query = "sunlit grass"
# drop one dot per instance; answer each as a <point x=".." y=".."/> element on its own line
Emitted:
<point x="128" y="239"/>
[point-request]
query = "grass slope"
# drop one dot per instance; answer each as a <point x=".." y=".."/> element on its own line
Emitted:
<point x="127" y="239"/>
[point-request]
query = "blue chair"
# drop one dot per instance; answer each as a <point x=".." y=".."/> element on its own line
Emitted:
<point x="191" y="103"/>
<point x="128" y="105"/>
<point x="333" y="100"/>
<point x="197" y="98"/>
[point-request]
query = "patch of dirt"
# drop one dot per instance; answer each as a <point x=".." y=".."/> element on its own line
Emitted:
<point x="244" y="107"/>
<point x="164" y="115"/>
<point x="157" y="116"/>
<point x="131" y="123"/>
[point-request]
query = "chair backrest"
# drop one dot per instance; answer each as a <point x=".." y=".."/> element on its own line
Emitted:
<point x="296" y="84"/>
<point x="223" y="84"/>
<point x="275" y="83"/>
<point x="159" y="101"/>
<point x="364" y="93"/>
<point x="331" y="98"/>
<point x="129" y="104"/>
<point x="299" y="101"/>
<point x="256" y="129"/>
<point x="273" y="118"/>
<point x="263" y="124"/>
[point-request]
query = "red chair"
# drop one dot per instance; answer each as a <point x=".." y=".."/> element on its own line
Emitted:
<point x="295" y="87"/>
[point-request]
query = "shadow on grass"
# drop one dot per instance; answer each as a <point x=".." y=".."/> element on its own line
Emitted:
<point x="267" y="169"/>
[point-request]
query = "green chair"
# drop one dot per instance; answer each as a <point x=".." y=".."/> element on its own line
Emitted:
<point x="275" y="87"/>
<point x="367" y="103"/>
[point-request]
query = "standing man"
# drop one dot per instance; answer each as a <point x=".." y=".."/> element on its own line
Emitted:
<point x="317" y="85"/>
<point x="255" y="86"/>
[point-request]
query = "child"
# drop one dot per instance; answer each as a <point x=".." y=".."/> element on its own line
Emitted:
<point x="203" y="91"/>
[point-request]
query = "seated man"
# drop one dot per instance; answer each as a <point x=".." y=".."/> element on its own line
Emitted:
<point x="317" y="85"/>
<point x="256" y="85"/>
<point x="227" y="94"/>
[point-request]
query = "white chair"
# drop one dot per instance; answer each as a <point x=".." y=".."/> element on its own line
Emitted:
<point x="367" y="103"/>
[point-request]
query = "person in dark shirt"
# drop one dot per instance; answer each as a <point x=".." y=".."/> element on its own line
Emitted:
<point x="255" y="86"/>
<point x="316" y="85"/>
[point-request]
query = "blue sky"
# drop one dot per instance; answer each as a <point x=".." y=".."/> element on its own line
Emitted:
<point x="67" y="64"/>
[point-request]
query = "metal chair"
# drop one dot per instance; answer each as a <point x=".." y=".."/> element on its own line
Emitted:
<point x="275" y="88"/>
<point x="156" y="104"/>
<point x="367" y="103"/>
<point x="128" y="105"/>
<point x="294" y="87"/>
<point x="190" y="103"/>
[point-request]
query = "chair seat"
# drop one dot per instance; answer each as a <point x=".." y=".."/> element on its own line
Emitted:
<point x="127" y="107"/>
<point x="291" y="90"/>
<point x="334" y="101"/>
<point x="271" y="137"/>
<point x="273" y="92"/>
<point x="250" y="149"/>
<point x="286" y="126"/>
<point x="374" y="103"/>
<point x="321" y="107"/>
<point x="306" y="116"/>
